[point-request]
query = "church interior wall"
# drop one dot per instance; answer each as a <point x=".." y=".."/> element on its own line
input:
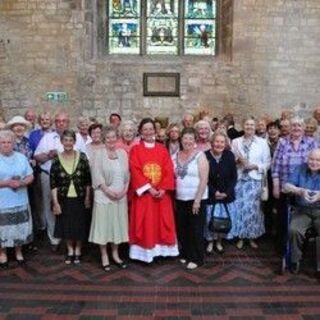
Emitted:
<point x="269" y="60"/>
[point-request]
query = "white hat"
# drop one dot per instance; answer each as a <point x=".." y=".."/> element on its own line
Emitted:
<point x="18" y="120"/>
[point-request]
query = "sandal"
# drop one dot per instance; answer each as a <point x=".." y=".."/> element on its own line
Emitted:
<point x="106" y="267"/>
<point x="76" y="259"/>
<point x="68" y="260"/>
<point x="121" y="265"/>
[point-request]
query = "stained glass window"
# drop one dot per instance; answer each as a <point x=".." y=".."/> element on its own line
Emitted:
<point x="124" y="26"/>
<point x="199" y="27"/>
<point x="161" y="27"/>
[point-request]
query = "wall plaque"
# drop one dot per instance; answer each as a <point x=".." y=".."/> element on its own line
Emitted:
<point x="161" y="84"/>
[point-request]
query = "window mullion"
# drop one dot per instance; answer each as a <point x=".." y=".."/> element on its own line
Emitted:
<point x="143" y="28"/>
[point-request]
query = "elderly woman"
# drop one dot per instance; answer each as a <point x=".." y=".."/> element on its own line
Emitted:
<point x="19" y="126"/>
<point x="311" y="127"/>
<point x="95" y="132"/>
<point x="70" y="183"/>
<point x="253" y="160"/>
<point x="152" y="227"/>
<point x="291" y="151"/>
<point x="222" y="182"/>
<point x="110" y="174"/>
<point x="173" y="141"/>
<point x="15" y="219"/>
<point x="83" y="129"/>
<point x="128" y="136"/>
<point x="191" y="170"/>
<point x="203" y="131"/>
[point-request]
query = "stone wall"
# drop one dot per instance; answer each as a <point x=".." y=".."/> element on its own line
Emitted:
<point x="269" y="60"/>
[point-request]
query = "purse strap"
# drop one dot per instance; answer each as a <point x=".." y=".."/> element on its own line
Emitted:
<point x="225" y="206"/>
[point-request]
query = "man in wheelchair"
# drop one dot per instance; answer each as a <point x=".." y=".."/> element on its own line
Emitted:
<point x="304" y="183"/>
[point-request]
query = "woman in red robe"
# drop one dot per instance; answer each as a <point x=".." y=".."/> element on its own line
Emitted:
<point x="152" y="230"/>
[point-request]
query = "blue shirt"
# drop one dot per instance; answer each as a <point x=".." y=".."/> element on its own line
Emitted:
<point x="302" y="177"/>
<point x="16" y="165"/>
<point x="34" y="138"/>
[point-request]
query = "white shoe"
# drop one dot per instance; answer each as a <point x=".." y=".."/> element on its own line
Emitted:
<point x="253" y="244"/>
<point x="209" y="248"/>
<point x="240" y="244"/>
<point x="183" y="261"/>
<point x="192" y="266"/>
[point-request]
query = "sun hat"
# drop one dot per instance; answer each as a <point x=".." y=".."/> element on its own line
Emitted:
<point x="18" y="120"/>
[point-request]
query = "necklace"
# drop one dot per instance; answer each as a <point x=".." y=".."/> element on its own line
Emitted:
<point x="182" y="168"/>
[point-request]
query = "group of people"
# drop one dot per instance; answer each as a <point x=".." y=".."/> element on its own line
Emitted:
<point x="155" y="186"/>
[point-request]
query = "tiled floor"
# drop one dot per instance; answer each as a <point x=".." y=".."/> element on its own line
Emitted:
<point x="241" y="285"/>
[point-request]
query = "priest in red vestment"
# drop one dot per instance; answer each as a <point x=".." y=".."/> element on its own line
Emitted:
<point x="152" y="230"/>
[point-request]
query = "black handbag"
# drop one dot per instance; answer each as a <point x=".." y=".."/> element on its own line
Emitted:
<point x="220" y="224"/>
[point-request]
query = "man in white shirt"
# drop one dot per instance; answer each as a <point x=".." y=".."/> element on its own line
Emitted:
<point x="47" y="149"/>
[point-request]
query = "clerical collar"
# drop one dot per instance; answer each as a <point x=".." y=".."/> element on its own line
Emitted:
<point x="149" y="144"/>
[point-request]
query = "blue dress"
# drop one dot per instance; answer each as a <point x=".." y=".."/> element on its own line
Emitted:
<point x="15" y="218"/>
<point x="249" y="221"/>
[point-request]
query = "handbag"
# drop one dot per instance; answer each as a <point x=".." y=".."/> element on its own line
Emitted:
<point x="220" y="221"/>
<point x="264" y="188"/>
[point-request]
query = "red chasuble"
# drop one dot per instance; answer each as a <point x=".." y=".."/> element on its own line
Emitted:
<point x="151" y="220"/>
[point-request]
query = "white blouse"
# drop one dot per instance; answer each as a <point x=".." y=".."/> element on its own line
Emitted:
<point x="259" y="154"/>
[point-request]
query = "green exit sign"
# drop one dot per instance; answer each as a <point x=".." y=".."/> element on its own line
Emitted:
<point x="57" y="96"/>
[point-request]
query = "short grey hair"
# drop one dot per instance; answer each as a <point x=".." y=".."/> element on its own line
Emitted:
<point x="202" y="122"/>
<point x="128" y="123"/>
<point x="4" y="134"/>
<point x="297" y="120"/>
<point x="83" y="119"/>
<point x="109" y="129"/>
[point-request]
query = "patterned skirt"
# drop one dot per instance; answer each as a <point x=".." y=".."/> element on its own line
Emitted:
<point x="248" y="221"/>
<point x="209" y="236"/>
<point x="15" y="226"/>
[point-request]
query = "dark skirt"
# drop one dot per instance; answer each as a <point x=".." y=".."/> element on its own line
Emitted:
<point x="72" y="223"/>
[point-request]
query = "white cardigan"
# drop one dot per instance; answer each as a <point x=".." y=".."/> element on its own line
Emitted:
<point x="259" y="155"/>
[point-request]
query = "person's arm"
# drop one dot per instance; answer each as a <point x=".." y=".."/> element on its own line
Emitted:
<point x="87" y="199"/>
<point x="87" y="181"/>
<point x="56" y="208"/>
<point x="291" y="188"/>
<point x="203" y="168"/>
<point x="293" y="185"/>
<point x="275" y="168"/>
<point x="140" y="183"/>
<point x="233" y="176"/>
<point x="26" y="181"/>
<point x="266" y="158"/>
<point x="9" y="183"/>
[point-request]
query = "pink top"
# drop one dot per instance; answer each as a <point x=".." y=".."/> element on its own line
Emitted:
<point x="120" y="144"/>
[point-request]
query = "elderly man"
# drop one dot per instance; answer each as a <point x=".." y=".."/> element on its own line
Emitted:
<point x="31" y="116"/>
<point x="45" y="122"/>
<point x="47" y="149"/>
<point x="187" y="120"/>
<point x="304" y="183"/>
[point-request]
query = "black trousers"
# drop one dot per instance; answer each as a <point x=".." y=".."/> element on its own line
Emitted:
<point x="190" y="230"/>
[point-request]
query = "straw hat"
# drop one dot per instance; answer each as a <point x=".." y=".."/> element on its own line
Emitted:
<point x="18" y="120"/>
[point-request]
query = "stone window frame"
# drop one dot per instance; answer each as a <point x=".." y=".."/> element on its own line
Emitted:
<point x="96" y="35"/>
